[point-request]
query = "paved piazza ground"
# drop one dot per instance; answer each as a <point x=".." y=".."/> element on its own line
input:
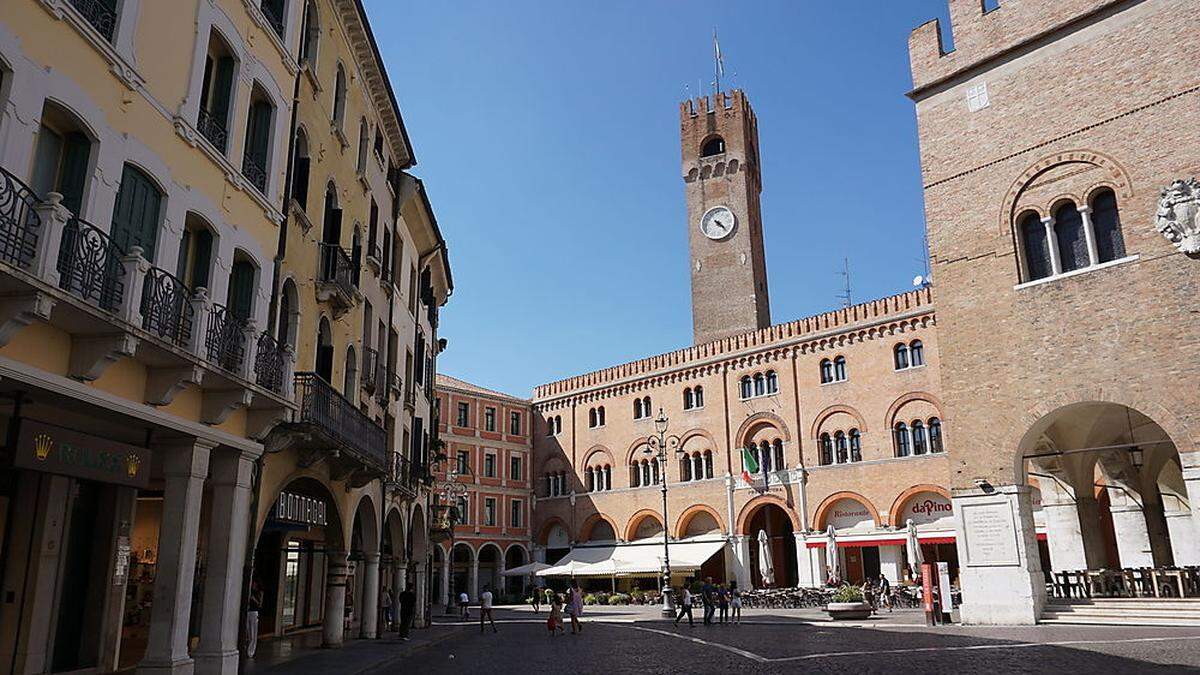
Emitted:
<point x="624" y="640"/>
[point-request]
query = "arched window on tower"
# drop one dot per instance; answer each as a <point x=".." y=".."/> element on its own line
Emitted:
<point x="713" y="146"/>
<point x="839" y="442"/>
<point x="826" y="448"/>
<point x="855" y="446"/>
<point x="1106" y="226"/>
<point x="1035" y="247"/>
<point x="697" y="466"/>
<point x="826" y="371"/>
<point x="654" y="476"/>
<point x="746" y="387"/>
<point x="760" y="384"/>
<point x="900" y="352"/>
<point x="772" y="382"/>
<point x="1072" y="240"/>
<point x="645" y="472"/>
<point x="935" y="435"/>
<point x="592" y="418"/>
<point x="708" y="464"/>
<point x="688" y="401"/>
<point x="607" y="477"/>
<point x="764" y="457"/>
<point x="777" y="447"/>
<point x="591" y="479"/>
<point x="918" y="434"/>
<point x="698" y="396"/>
<point x="916" y="352"/>
<point x="600" y="415"/>
<point x="635" y="474"/>
<point x="902" y="440"/>
<point x="637" y="409"/>
<point x="685" y="468"/>
<point x="646" y="406"/>
<point x="839" y="369"/>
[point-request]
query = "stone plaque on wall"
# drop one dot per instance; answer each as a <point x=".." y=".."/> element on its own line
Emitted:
<point x="990" y="533"/>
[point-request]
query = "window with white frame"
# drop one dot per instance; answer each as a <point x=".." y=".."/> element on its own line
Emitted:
<point x="514" y="423"/>
<point x="918" y="437"/>
<point x="833" y="370"/>
<point x="641" y="408"/>
<point x="977" y="97"/>
<point x="908" y="355"/>
<point x="489" y="419"/>
<point x="515" y="468"/>
<point x="464" y="510"/>
<point x="515" y="513"/>
<point x="463" y="467"/>
<point x="464" y="414"/>
<point x="489" y="511"/>
<point x="1073" y="237"/>
<point x="758" y="384"/>
<point x="489" y="465"/>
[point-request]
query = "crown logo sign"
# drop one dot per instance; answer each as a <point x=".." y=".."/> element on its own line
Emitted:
<point x="42" y="444"/>
<point x="132" y="463"/>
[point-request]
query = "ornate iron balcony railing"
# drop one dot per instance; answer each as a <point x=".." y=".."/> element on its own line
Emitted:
<point x="336" y="268"/>
<point x="99" y="14"/>
<point x="214" y="130"/>
<point x="89" y="265"/>
<point x="255" y="171"/>
<point x="226" y="338"/>
<point x="166" y="310"/>
<point x="337" y="418"/>
<point x="20" y="224"/>
<point x="270" y="363"/>
<point x="403" y="474"/>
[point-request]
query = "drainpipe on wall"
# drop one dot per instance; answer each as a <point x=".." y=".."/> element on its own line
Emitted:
<point x="281" y="248"/>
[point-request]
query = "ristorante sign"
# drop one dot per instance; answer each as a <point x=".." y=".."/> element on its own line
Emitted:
<point x="44" y="447"/>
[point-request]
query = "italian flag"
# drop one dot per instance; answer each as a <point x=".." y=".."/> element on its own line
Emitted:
<point x="749" y="464"/>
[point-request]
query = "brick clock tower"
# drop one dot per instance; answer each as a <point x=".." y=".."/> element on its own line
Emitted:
<point x="722" y="184"/>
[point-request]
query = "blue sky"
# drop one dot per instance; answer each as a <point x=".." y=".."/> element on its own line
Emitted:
<point x="547" y="134"/>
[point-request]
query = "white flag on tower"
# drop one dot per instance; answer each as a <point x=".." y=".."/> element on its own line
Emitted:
<point x="717" y="55"/>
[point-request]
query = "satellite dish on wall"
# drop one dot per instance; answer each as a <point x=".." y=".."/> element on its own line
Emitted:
<point x="918" y="280"/>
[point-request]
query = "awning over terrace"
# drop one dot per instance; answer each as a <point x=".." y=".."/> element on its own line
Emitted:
<point x="633" y="559"/>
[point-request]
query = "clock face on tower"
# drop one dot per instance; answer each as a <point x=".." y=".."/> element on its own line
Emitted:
<point x="718" y="223"/>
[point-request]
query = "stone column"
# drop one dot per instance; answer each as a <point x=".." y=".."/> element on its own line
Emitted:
<point x="185" y="465"/>
<point x="334" y="625"/>
<point x="1085" y="212"/>
<point x="228" y="523"/>
<point x="473" y="581"/>
<point x="1190" y="550"/>
<point x="1064" y="536"/>
<point x="419" y="618"/>
<point x="445" y="589"/>
<point x="891" y="563"/>
<point x="1088" y="511"/>
<point x="806" y="566"/>
<point x="1183" y="537"/>
<point x="1052" y="243"/>
<point x="1156" y="525"/>
<point x="1129" y="526"/>
<point x="1000" y="568"/>
<point x="370" y="600"/>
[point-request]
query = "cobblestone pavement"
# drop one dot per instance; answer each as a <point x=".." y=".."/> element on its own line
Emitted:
<point x="628" y="641"/>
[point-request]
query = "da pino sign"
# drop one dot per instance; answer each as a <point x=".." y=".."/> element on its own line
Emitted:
<point x="925" y="507"/>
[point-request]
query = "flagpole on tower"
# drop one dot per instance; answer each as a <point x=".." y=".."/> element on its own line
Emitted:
<point x="718" y="62"/>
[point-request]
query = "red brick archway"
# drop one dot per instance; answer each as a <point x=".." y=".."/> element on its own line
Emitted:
<point x="585" y="530"/>
<point x="823" y="510"/>
<point x="904" y="497"/>
<point x="752" y="507"/>
<point x="544" y="532"/>
<point x="685" y="519"/>
<point x="636" y="520"/>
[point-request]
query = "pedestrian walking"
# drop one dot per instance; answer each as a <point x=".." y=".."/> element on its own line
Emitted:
<point x="685" y="606"/>
<point x="885" y="592"/>
<point x="554" y="623"/>
<point x="723" y="602"/>
<point x="707" y="593"/>
<point x="536" y="599"/>
<point x="485" y="609"/>
<point x="408" y="609"/>
<point x="253" y="606"/>
<point x="385" y="600"/>
<point x="735" y="601"/>
<point x="464" y="606"/>
<point x="575" y="607"/>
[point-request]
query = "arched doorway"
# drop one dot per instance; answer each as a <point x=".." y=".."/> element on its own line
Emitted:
<point x="515" y="557"/>
<point x="461" y="560"/>
<point x="1112" y="493"/>
<point x="362" y="582"/>
<point x="772" y="519"/>
<point x="393" y="560"/>
<point x="290" y="562"/>
<point x="488" y="575"/>
<point x="556" y="540"/>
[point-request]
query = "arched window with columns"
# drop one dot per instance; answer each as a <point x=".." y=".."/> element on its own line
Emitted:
<point x="900" y="356"/>
<point x="918" y="437"/>
<point x="935" y="435"/>
<point x="855" y="446"/>
<point x="685" y="468"/>
<point x="902" y="440"/>
<point x="916" y="352"/>
<point x="1071" y="237"/>
<point x="841" y="447"/>
<point x="746" y="387"/>
<point x="697" y="466"/>
<point x="708" y="464"/>
<point x="698" y="396"/>
<point x="1106" y="224"/>
<point x="635" y="474"/>
<point x="826" y="449"/>
<point x="777" y="448"/>
<point x="772" y="382"/>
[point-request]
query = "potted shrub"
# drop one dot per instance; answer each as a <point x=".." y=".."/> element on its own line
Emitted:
<point x="848" y="603"/>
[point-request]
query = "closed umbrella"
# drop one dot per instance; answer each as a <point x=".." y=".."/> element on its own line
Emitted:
<point x="913" y="549"/>
<point x="831" y="553"/>
<point x="766" y="566"/>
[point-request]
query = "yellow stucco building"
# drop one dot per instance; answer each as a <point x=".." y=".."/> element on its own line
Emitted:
<point x="218" y="315"/>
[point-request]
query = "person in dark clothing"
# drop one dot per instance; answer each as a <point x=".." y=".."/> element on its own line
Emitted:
<point x="408" y="609"/>
<point x="707" y="595"/>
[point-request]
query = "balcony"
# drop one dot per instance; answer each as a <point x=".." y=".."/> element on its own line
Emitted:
<point x="329" y="428"/>
<point x="99" y="14"/>
<point x="403" y="475"/>
<point x="335" y="279"/>
<point x="214" y="130"/>
<point x="255" y="171"/>
<point x="59" y="269"/>
<point x="370" y="369"/>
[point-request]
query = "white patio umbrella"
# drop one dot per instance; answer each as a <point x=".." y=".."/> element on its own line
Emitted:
<point x="831" y="553"/>
<point x="568" y="569"/>
<point x="766" y="566"/>
<point x="531" y="568"/>
<point x="913" y="548"/>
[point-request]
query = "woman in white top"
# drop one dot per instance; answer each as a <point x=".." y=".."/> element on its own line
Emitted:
<point x="685" y="606"/>
<point x="735" y="602"/>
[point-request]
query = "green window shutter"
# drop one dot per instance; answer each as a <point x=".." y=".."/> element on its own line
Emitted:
<point x="46" y="158"/>
<point x="223" y="89"/>
<point x="202" y="259"/>
<point x="206" y="87"/>
<point x="181" y="261"/>
<point x="74" y="170"/>
<point x="135" y="215"/>
<point x="241" y="289"/>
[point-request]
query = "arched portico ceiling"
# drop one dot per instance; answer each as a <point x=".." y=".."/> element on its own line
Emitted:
<point x="637" y="521"/>
<point x="366" y="518"/>
<point x="306" y="490"/>
<point x="754" y="505"/>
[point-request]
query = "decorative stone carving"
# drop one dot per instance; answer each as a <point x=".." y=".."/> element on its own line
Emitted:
<point x="1178" y="217"/>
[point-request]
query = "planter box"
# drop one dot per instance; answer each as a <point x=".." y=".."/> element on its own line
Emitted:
<point x="848" y="610"/>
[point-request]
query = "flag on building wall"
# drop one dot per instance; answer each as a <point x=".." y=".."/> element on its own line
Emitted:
<point x="749" y="464"/>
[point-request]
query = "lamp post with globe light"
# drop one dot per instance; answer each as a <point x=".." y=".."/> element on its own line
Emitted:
<point x="658" y="444"/>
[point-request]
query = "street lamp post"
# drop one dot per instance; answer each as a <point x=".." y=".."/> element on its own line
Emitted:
<point x="659" y="442"/>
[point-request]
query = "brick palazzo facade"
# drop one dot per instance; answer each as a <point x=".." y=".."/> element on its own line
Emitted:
<point x="1041" y="416"/>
